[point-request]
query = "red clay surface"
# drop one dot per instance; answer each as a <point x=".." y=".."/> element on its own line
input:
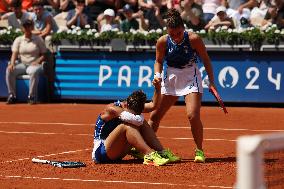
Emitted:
<point x="65" y="132"/>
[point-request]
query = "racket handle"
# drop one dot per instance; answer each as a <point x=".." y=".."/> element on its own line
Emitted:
<point x="35" y="160"/>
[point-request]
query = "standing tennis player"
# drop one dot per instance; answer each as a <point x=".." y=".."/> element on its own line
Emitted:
<point x="181" y="51"/>
<point x="121" y="126"/>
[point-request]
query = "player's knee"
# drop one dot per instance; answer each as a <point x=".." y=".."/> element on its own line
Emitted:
<point x="128" y="127"/>
<point x="193" y="115"/>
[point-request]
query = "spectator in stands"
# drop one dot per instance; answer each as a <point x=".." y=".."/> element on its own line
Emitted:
<point x="108" y="21"/>
<point x="76" y="16"/>
<point x="31" y="50"/>
<point x="220" y="19"/>
<point x="95" y="9"/>
<point x="238" y="9"/>
<point x="17" y="16"/>
<point x="44" y="24"/>
<point x="275" y="14"/>
<point x="129" y="22"/>
<point x="192" y="15"/>
<point x="209" y="8"/>
<point x="119" y="4"/>
<point x="258" y="13"/>
<point x="155" y="15"/>
<point x="4" y="6"/>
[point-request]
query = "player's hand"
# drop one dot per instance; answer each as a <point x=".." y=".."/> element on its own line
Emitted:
<point x="157" y="77"/>
<point x="156" y="83"/>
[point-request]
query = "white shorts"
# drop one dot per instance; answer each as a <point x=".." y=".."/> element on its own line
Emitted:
<point x="181" y="82"/>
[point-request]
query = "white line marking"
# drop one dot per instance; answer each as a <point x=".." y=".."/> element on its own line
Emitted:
<point x="39" y="133"/>
<point x="225" y="129"/>
<point x="40" y="123"/>
<point x="48" y="155"/>
<point x="163" y="127"/>
<point x="208" y="139"/>
<point x="114" y="181"/>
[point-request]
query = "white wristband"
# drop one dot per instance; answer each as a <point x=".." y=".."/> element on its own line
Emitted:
<point x="157" y="75"/>
<point x="131" y="118"/>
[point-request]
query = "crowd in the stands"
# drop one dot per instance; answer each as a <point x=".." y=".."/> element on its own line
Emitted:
<point x="103" y="15"/>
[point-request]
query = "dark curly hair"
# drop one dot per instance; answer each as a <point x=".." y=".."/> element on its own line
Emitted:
<point x="174" y="19"/>
<point x="136" y="101"/>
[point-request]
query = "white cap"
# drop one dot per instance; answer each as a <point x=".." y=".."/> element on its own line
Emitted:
<point x="221" y="9"/>
<point x="246" y="13"/>
<point x="109" y="12"/>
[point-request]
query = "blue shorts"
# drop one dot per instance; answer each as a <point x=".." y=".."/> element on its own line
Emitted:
<point x="99" y="154"/>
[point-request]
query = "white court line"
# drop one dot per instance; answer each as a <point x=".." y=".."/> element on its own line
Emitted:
<point x="208" y="139"/>
<point x="226" y="129"/>
<point x="42" y="123"/>
<point x="48" y="155"/>
<point x="39" y="133"/>
<point x="162" y="127"/>
<point x="113" y="181"/>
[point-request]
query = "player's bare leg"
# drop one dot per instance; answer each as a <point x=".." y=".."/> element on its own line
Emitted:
<point x="155" y="117"/>
<point x="150" y="137"/>
<point x="193" y="105"/>
<point x="122" y="138"/>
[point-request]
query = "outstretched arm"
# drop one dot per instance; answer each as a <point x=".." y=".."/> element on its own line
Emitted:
<point x="154" y="104"/>
<point x="160" y="54"/>
<point x="158" y="67"/>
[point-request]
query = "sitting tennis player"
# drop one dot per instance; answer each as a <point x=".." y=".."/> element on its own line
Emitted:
<point x="121" y="126"/>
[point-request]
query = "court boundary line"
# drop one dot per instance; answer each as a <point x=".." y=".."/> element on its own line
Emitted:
<point x="44" y="133"/>
<point x="162" y="127"/>
<point x="113" y="181"/>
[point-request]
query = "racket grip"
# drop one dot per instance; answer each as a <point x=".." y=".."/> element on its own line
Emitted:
<point x="35" y="160"/>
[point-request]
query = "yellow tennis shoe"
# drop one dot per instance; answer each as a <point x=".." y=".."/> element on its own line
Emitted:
<point x="169" y="155"/>
<point x="155" y="159"/>
<point x="199" y="156"/>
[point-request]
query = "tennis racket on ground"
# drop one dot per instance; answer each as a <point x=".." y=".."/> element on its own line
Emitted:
<point x="63" y="164"/>
<point x="214" y="92"/>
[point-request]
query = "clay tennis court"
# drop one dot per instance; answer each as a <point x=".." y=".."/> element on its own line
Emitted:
<point x="65" y="132"/>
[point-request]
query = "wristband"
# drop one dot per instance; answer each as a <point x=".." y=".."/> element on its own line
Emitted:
<point x="131" y="118"/>
<point x="158" y="75"/>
